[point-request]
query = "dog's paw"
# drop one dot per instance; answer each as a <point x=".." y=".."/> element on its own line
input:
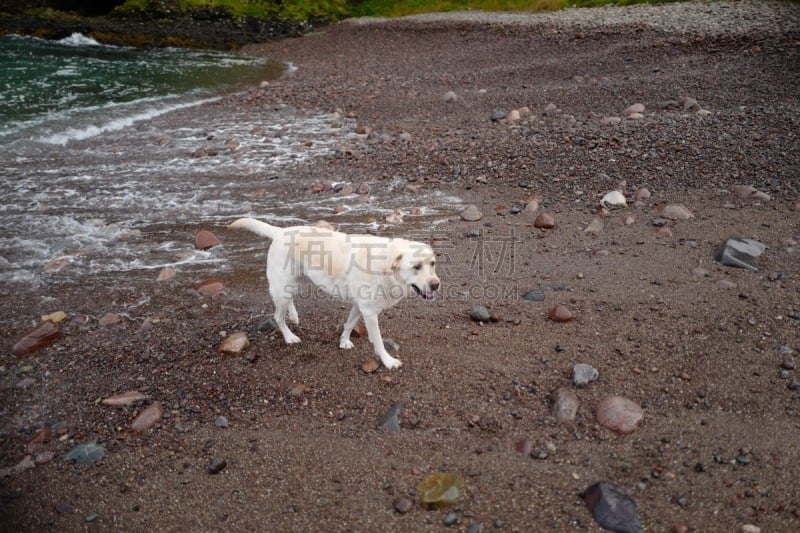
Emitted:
<point x="346" y="344"/>
<point x="291" y="338"/>
<point x="391" y="363"/>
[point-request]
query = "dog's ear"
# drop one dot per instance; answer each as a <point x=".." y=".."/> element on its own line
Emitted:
<point x="396" y="262"/>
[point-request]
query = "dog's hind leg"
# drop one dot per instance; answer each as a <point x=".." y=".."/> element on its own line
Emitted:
<point x="374" y="331"/>
<point x="283" y="300"/>
<point x="355" y="315"/>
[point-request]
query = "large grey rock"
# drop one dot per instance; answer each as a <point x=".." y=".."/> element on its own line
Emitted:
<point x="740" y="252"/>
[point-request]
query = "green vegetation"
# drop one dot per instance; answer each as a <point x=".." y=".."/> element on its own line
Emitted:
<point x="337" y="9"/>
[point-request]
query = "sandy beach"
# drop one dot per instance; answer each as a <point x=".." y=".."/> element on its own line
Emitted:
<point x="532" y="119"/>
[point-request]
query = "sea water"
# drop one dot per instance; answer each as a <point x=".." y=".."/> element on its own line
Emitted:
<point x="113" y="157"/>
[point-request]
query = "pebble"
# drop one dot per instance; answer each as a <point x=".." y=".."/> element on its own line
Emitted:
<point x="210" y="287"/>
<point x="205" y="240"/>
<point x="109" y="319"/>
<point x="440" y="489"/>
<point x="513" y="116"/>
<point x="148" y="418"/>
<point x="614" y="198"/>
<point x="565" y="405"/>
<point x="498" y="115"/>
<point x="619" y="414"/>
<point x="726" y="284"/>
<point x="612" y="509"/>
<point x="166" y="274"/>
<point x="676" y="212"/>
<point x="560" y="313"/>
<point x="56" y="317"/>
<point x="633" y="109"/>
<point x="663" y="231"/>
<point x="583" y="374"/>
<point x="524" y="447"/>
<point x="545" y="221"/>
<point x="371" y="366"/>
<point x="124" y="398"/>
<point x="479" y="313"/>
<point x="34" y="340"/>
<point x="531" y="206"/>
<point x="221" y="421"/>
<point x="534" y="296"/>
<point x="449" y="96"/>
<point x="216" y="465"/>
<point x="86" y="453"/>
<point x="628" y="220"/>
<point x="235" y="343"/>
<point x="474" y="528"/>
<point x="403" y="505"/>
<point x="750" y="528"/>
<point x="471" y="214"/>
<point x="595" y="227"/>
<point x="451" y="519"/>
<point x="642" y="193"/>
<point x="611" y="121"/>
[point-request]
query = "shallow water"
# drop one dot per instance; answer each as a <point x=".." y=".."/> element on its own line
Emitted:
<point x="127" y="192"/>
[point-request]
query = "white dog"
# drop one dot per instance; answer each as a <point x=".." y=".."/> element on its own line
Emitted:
<point x="372" y="272"/>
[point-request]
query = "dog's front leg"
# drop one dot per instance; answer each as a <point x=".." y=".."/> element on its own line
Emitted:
<point x="374" y="332"/>
<point x="355" y="315"/>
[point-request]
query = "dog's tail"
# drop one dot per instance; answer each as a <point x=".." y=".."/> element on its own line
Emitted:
<point x="257" y="227"/>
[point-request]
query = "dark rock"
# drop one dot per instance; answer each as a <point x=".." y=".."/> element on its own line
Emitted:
<point x="216" y="465"/>
<point x="479" y="313"/>
<point x="612" y="509"/>
<point x="534" y="296"/>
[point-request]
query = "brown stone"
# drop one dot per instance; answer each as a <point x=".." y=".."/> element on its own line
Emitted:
<point x="210" y="287"/>
<point x="565" y="405"/>
<point x="205" y="240"/>
<point x="148" y="418"/>
<point x="124" y="398"/>
<point x="560" y="313"/>
<point x="235" y="343"/>
<point x="545" y="221"/>
<point x="34" y="340"/>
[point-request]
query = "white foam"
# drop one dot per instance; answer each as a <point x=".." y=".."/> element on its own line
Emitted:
<point x="78" y="39"/>
<point x="73" y="134"/>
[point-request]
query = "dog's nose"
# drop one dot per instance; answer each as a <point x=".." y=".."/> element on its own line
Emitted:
<point x="434" y="285"/>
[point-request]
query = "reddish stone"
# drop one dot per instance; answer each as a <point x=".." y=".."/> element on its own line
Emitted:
<point x="34" y="340"/>
<point x="148" y="418"/>
<point x="619" y="414"/>
<point x="205" y="240"/>
<point x="545" y="221"/>
<point x="560" y="314"/>
<point x="210" y="287"/>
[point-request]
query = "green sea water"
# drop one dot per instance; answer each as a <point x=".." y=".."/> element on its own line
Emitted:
<point x="76" y="87"/>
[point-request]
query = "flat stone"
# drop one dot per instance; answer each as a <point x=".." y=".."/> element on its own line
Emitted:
<point x="166" y="273"/>
<point x="371" y="366"/>
<point x="740" y="252"/>
<point x="612" y="509"/>
<point x="235" y="343"/>
<point x="86" y="453"/>
<point x="595" y="227"/>
<point x="583" y="374"/>
<point x="633" y="109"/>
<point x="390" y="419"/>
<point x="614" y="198"/>
<point x="471" y="214"/>
<point x="34" y="340"/>
<point x="619" y="414"/>
<point x="205" y="240"/>
<point x="403" y="505"/>
<point x="55" y="317"/>
<point x="676" y="212"/>
<point x="148" y="418"/>
<point x="210" y="287"/>
<point x="124" y="398"/>
<point x="534" y="296"/>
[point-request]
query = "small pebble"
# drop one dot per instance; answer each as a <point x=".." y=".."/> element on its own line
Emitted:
<point x="451" y="519"/>
<point x="403" y="505"/>
<point x="216" y="465"/>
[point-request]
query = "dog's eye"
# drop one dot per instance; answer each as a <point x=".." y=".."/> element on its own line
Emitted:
<point x="418" y="266"/>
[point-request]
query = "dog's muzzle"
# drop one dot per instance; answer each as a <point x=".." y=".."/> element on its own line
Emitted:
<point x="427" y="294"/>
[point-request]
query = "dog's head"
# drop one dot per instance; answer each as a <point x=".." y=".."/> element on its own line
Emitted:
<point x="414" y="264"/>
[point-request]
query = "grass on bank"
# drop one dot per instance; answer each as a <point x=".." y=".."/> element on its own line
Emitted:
<point x="338" y="9"/>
